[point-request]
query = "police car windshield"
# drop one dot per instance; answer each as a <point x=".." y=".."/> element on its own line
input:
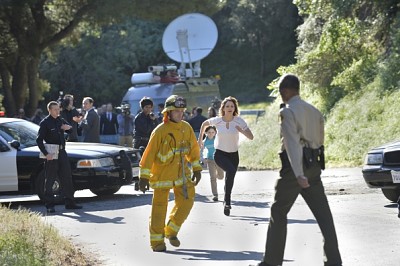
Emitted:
<point x="24" y="132"/>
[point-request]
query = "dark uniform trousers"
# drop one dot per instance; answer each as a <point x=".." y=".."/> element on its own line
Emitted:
<point x="60" y="168"/>
<point x="286" y="191"/>
<point x="140" y="142"/>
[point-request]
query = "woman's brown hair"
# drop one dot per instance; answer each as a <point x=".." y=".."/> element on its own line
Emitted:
<point x="235" y="103"/>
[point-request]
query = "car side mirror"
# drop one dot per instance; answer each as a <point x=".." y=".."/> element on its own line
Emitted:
<point x="3" y="147"/>
<point x="15" y="144"/>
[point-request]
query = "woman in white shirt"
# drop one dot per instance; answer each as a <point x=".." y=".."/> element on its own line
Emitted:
<point x="229" y="124"/>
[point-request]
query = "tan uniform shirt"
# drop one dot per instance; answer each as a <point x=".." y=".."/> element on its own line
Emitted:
<point x="301" y="125"/>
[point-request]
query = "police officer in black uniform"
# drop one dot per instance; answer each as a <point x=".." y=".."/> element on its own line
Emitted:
<point x="51" y="131"/>
<point x="145" y="123"/>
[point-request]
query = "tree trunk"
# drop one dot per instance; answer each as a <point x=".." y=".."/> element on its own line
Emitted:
<point x="8" y="101"/>
<point x="34" y="89"/>
<point x="19" y="84"/>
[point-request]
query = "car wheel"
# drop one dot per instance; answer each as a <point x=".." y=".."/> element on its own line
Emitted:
<point x="104" y="191"/>
<point x="40" y="188"/>
<point x="391" y="194"/>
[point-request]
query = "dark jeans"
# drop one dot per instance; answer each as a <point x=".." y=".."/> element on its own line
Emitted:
<point x="286" y="192"/>
<point x="229" y="162"/>
<point x="60" y="168"/>
<point x="140" y="142"/>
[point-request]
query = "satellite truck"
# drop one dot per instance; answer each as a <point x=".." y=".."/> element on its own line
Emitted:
<point x="186" y="40"/>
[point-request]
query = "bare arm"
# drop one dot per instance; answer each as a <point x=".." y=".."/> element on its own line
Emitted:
<point x="203" y="127"/>
<point x="247" y="132"/>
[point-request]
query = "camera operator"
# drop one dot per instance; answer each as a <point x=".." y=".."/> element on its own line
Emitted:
<point x="145" y="122"/>
<point x="71" y="115"/>
<point x="126" y="123"/>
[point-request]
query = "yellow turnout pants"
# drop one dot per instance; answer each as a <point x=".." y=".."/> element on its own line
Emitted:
<point x="179" y="213"/>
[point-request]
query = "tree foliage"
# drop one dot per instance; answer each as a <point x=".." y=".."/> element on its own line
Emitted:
<point x="28" y="27"/>
<point x="100" y="66"/>
<point x="341" y="43"/>
<point x="126" y="49"/>
<point x="255" y="38"/>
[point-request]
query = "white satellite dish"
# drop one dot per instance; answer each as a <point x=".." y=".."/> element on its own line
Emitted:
<point x="188" y="39"/>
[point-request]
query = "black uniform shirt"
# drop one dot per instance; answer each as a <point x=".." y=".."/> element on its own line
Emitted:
<point x="144" y="125"/>
<point x="50" y="131"/>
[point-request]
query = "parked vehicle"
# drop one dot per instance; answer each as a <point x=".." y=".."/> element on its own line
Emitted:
<point x="202" y="92"/>
<point x="187" y="40"/>
<point x="382" y="169"/>
<point x="102" y="168"/>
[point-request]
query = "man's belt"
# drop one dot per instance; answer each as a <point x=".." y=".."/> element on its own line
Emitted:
<point x="311" y="157"/>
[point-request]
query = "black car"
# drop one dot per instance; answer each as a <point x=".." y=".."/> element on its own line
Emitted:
<point x="102" y="168"/>
<point x="382" y="169"/>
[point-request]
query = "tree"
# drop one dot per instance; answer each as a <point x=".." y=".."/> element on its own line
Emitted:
<point x="28" y="27"/>
<point x="341" y="45"/>
<point x="101" y="66"/>
<point x="265" y="25"/>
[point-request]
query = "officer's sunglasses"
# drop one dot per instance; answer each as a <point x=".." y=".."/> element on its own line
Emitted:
<point x="178" y="103"/>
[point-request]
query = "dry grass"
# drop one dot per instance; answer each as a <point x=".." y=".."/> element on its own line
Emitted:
<point x="26" y="240"/>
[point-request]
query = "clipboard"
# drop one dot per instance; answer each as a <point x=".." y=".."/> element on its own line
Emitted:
<point x="50" y="148"/>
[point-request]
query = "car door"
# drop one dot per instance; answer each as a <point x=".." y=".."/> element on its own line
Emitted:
<point x="8" y="166"/>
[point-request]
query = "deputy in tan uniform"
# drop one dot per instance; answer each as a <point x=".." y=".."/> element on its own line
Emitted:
<point x="302" y="135"/>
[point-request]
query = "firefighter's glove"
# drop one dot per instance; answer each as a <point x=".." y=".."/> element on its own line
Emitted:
<point x="143" y="184"/>
<point x="196" y="177"/>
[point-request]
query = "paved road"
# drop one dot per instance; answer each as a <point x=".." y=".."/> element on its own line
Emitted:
<point x="115" y="229"/>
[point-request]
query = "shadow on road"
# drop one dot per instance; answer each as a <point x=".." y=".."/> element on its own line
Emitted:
<point x="393" y="205"/>
<point x="90" y="204"/>
<point x="217" y="255"/>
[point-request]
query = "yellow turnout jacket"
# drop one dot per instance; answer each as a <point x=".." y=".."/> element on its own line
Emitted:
<point x="161" y="162"/>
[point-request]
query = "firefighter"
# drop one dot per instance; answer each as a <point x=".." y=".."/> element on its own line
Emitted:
<point x="167" y="163"/>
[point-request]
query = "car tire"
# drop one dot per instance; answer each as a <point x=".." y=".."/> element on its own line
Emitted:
<point x="105" y="191"/>
<point x="40" y="188"/>
<point x="391" y="194"/>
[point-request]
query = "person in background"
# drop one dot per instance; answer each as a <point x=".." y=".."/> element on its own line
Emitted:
<point x="126" y="123"/>
<point x="21" y="114"/>
<point x="159" y="113"/>
<point x="90" y="123"/>
<point x="211" y="112"/>
<point x="229" y="124"/>
<point x="165" y="166"/>
<point x="302" y="157"/>
<point x="197" y="120"/>
<point x="398" y="207"/>
<point x="109" y="126"/>
<point x="38" y="117"/>
<point x="71" y="115"/>
<point x="186" y="115"/>
<point x="108" y="121"/>
<point x="145" y="123"/>
<point x="51" y="131"/>
<point x="102" y="109"/>
<point x="215" y="171"/>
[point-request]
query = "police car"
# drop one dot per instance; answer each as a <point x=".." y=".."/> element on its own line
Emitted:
<point x="102" y="168"/>
<point x="382" y="169"/>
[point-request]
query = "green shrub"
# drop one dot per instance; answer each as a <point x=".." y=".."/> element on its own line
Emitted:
<point x="25" y="240"/>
